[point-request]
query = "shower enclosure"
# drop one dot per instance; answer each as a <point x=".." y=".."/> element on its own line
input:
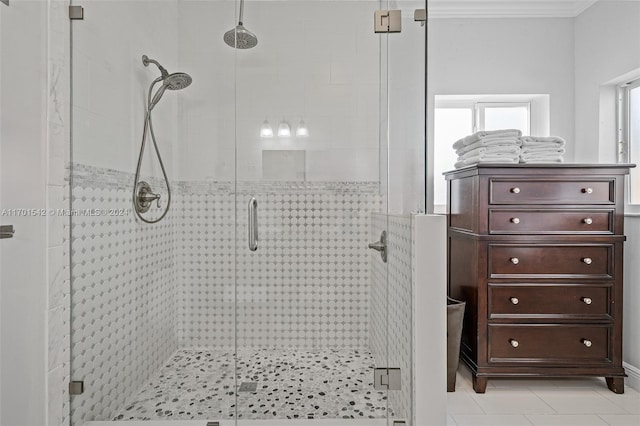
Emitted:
<point x="256" y="297"/>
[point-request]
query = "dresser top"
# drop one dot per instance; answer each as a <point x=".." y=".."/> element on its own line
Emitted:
<point x="541" y="168"/>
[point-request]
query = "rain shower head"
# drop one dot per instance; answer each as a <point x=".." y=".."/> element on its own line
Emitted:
<point x="240" y="37"/>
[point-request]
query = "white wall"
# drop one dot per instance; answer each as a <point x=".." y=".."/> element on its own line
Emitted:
<point x="607" y="42"/>
<point x="23" y="168"/>
<point x="504" y="56"/>
<point x="607" y="38"/>
<point x="315" y="60"/>
<point x="110" y="84"/>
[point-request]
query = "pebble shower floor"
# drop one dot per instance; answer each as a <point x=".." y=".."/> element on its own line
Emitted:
<point x="291" y="384"/>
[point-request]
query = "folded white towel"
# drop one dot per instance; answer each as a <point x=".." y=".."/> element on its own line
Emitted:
<point x="484" y="134"/>
<point x="475" y="160"/>
<point x="498" y="150"/>
<point x="541" y="161"/>
<point x="539" y="156"/>
<point x="489" y="157"/>
<point x="543" y="149"/>
<point x="490" y="141"/>
<point x="539" y="140"/>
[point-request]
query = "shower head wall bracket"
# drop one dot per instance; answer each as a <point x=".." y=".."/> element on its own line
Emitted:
<point x="146" y="61"/>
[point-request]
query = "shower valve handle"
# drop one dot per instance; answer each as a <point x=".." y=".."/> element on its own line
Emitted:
<point x="145" y="197"/>
<point x="150" y="197"/>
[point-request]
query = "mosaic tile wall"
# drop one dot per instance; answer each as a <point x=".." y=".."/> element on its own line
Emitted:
<point x="123" y="293"/>
<point x="142" y="291"/>
<point x="307" y="285"/>
<point x="394" y="303"/>
<point x="206" y="254"/>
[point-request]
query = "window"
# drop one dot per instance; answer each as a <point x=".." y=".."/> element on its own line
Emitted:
<point x="457" y="116"/>
<point x="503" y="115"/>
<point x="629" y="134"/>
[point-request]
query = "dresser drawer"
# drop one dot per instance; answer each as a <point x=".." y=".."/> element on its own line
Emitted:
<point x="515" y="191"/>
<point x="550" y="301"/>
<point x="549" y="344"/>
<point x="550" y="221"/>
<point x="550" y="261"/>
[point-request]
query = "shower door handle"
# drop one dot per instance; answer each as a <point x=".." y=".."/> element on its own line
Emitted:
<point x="253" y="224"/>
<point x="381" y="246"/>
<point x="6" y="231"/>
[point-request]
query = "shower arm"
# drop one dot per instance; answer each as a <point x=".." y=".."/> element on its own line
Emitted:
<point x="241" y="12"/>
<point x="146" y="61"/>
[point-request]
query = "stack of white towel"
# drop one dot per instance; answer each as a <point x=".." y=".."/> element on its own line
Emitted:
<point x="542" y="149"/>
<point x="494" y="146"/>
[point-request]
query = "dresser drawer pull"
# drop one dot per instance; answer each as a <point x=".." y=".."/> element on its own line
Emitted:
<point x="515" y="190"/>
<point x="587" y="221"/>
<point x="587" y="190"/>
<point x="587" y="342"/>
<point x="514" y="343"/>
<point x="514" y="300"/>
<point x="515" y="220"/>
<point x="586" y="300"/>
<point x="514" y="260"/>
<point x="587" y="260"/>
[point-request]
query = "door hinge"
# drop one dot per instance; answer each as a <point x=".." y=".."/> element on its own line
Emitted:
<point x="387" y="379"/>
<point x="387" y="21"/>
<point x="76" y="388"/>
<point x="76" y="12"/>
<point x="420" y="15"/>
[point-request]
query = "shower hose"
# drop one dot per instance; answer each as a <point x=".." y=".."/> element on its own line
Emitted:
<point x="148" y="129"/>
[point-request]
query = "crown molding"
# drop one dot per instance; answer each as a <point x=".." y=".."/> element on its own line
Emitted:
<point x="507" y="8"/>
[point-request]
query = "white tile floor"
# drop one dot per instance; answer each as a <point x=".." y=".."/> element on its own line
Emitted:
<point x="541" y="402"/>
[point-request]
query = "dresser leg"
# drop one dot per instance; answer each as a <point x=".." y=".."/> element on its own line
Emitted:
<point x="615" y="384"/>
<point x="479" y="384"/>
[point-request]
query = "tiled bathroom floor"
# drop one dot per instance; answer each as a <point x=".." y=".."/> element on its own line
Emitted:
<point x="199" y="384"/>
<point x="541" y="402"/>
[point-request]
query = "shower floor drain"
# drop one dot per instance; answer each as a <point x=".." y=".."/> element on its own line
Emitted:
<point x="248" y="387"/>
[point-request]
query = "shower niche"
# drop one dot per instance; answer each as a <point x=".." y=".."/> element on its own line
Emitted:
<point x="180" y="319"/>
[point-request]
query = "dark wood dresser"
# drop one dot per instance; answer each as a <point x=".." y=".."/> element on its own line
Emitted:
<point x="536" y="252"/>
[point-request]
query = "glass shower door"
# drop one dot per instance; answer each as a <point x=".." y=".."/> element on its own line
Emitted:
<point x="287" y="148"/>
<point x="310" y="196"/>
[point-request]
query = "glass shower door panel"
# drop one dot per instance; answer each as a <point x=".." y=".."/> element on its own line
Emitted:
<point x="152" y="305"/>
<point x="406" y="144"/>
<point x="307" y="111"/>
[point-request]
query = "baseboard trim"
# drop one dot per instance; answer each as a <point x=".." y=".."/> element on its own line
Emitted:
<point x="633" y="381"/>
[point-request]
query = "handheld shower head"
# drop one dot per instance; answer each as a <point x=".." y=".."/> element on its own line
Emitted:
<point x="175" y="81"/>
